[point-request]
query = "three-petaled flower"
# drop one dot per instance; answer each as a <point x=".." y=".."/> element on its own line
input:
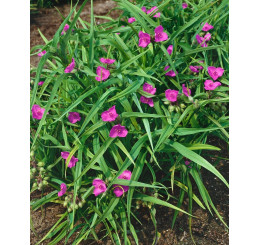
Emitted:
<point x="210" y="85"/>
<point x="160" y="35"/>
<point x="214" y="72"/>
<point x="63" y="189"/>
<point x="70" y="67"/>
<point x="146" y="100"/>
<point x="103" y="74"/>
<point x="118" y="131"/>
<point x="74" y="117"/>
<point x="73" y="160"/>
<point x="109" y="115"/>
<point x="37" y="112"/>
<point x="171" y="95"/>
<point x="207" y="27"/>
<point x="144" y="39"/>
<point x="170" y="49"/>
<point x="171" y="73"/>
<point x="107" y="61"/>
<point x="131" y="20"/>
<point x="186" y="91"/>
<point x="99" y="185"/>
<point x="148" y="88"/>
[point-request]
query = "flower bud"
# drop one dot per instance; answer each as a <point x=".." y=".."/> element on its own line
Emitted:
<point x="182" y="106"/>
<point x="46" y="178"/>
<point x="83" y="201"/>
<point x="65" y="204"/>
<point x="32" y="153"/>
<point x="69" y="210"/>
<point x="41" y="164"/>
<point x="80" y="204"/>
<point x="33" y="170"/>
<point x="191" y="99"/>
<point x="66" y="198"/>
<point x="137" y="207"/>
<point x="45" y="182"/>
<point x="76" y="206"/>
<point x="166" y="102"/>
<point x="177" y="109"/>
<point x="41" y="169"/>
<point x="40" y="185"/>
<point x="171" y="108"/>
<point x="34" y="185"/>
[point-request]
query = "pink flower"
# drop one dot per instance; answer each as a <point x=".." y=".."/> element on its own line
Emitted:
<point x="99" y="185"/>
<point x="171" y="95"/>
<point x="148" y="88"/>
<point x="131" y="20"/>
<point x="41" y="83"/>
<point x="107" y="61"/>
<point x="195" y="69"/>
<point x="186" y="91"/>
<point x="210" y="85"/>
<point x="73" y="160"/>
<point x="41" y="53"/>
<point x="144" y="9"/>
<point x="66" y="27"/>
<point x="170" y="73"/>
<point x="184" y="5"/>
<point x="160" y="35"/>
<point x="109" y="115"/>
<point x="148" y="101"/>
<point x="170" y="49"/>
<point x="154" y="10"/>
<point x="70" y="67"/>
<point x="201" y="41"/>
<point x="37" y="112"/>
<point x="144" y="39"/>
<point x="187" y="163"/>
<point x="207" y="37"/>
<point x="214" y="72"/>
<point x="74" y="117"/>
<point x="63" y="189"/>
<point x="118" y="131"/>
<point x="207" y="27"/>
<point x="103" y="74"/>
<point x="119" y="190"/>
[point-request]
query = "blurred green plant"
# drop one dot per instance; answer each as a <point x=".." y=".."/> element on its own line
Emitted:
<point x="164" y="145"/>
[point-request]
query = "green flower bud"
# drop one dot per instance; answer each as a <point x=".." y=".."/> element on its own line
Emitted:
<point x="65" y="204"/>
<point x="137" y="207"/>
<point x="80" y="204"/>
<point x="76" y="206"/>
<point x="46" y="178"/>
<point x="171" y="108"/>
<point x="110" y="178"/>
<point x="42" y="169"/>
<point x="40" y="185"/>
<point x="83" y="201"/>
<point x="182" y="106"/>
<point x="177" y="109"/>
<point x="191" y="99"/>
<point x="45" y="182"/>
<point x="33" y="170"/>
<point x="34" y="185"/>
<point x="66" y="198"/>
<point x="166" y="102"/>
<point x="69" y="210"/>
<point x="32" y="153"/>
<point x="149" y="206"/>
<point x="41" y="164"/>
<point x="156" y="194"/>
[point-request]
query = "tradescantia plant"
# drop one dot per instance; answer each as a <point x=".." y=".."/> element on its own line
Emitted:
<point x="116" y="103"/>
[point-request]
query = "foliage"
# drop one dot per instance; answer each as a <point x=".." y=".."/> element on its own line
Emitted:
<point x="161" y="140"/>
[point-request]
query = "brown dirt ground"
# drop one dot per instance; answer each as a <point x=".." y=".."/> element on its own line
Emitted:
<point x="207" y="230"/>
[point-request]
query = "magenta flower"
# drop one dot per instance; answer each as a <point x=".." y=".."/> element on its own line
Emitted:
<point x="170" y="73"/>
<point x="66" y="27"/>
<point x="146" y="100"/>
<point x="73" y="160"/>
<point x="109" y="115"/>
<point x="187" y="164"/>
<point x="107" y="61"/>
<point x="144" y="9"/>
<point x="41" y="53"/>
<point x="102" y="73"/>
<point x="37" y="112"/>
<point x="214" y="72"/>
<point x="207" y="37"/>
<point x="171" y="95"/>
<point x="144" y="39"/>
<point x="201" y="41"/>
<point x="186" y="91"/>
<point x="74" y="117"/>
<point x="41" y="83"/>
<point x="195" y="69"/>
<point x="160" y="35"/>
<point x="184" y="5"/>
<point x="148" y="88"/>
<point x="63" y="189"/>
<point x="170" y="49"/>
<point x="119" y="190"/>
<point x="118" y="131"/>
<point x="207" y="27"/>
<point x="154" y="10"/>
<point x="99" y="185"/>
<point x="210" y="85"/>
<point x="131" y="20"/>
<point x="70" y="67"/>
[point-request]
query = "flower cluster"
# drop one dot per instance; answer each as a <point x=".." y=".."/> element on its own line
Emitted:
<point x="119" y="190"/>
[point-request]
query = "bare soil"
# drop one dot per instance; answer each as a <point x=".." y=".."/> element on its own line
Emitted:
<point x="207" y="229"/>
